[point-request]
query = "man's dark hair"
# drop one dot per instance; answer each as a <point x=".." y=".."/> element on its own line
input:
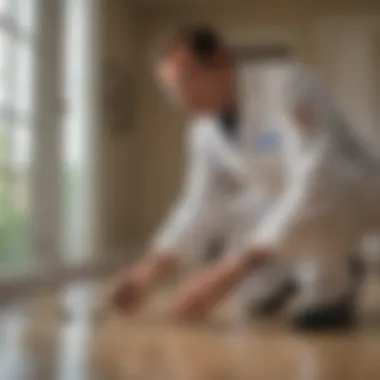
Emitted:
<point x="203" y="41"/>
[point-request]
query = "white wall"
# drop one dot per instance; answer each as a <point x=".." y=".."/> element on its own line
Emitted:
<point x="348" y="58"/>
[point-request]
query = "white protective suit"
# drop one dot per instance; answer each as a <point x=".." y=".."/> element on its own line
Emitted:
<point x="303" y="186"/>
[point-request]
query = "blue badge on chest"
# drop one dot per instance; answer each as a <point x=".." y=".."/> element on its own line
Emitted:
<point x="268" y="141"/>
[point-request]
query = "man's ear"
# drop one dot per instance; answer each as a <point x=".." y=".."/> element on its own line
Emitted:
<point x="305" y="115"/>
<point x="221" y="60"/>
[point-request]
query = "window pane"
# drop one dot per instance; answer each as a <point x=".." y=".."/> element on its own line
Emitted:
<point x="14" y="151"/>
<point x="5" y="144"/>
<point x="23" y="79"/>
<point x="4" y="6"/>
<point x="14" y="223"/>
<point x="4" y="55"/>
<point x="26" y="14"/>
<point x="14" y="202"/>
<point x="20" y="157"/>
<point x="76" y="130"/>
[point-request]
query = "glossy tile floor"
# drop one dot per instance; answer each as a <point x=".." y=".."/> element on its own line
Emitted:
<point x="59" y="336"/>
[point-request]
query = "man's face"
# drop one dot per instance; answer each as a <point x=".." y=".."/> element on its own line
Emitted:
<point x="196" y="85"/>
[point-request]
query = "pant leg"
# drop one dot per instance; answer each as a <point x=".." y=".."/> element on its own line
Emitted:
<point x="323" y="281"/>
<point x="328" y="295"/>
<point x="246" y="212"/>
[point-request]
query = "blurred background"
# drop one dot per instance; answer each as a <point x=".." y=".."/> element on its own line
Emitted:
<point x="91" y="153"/>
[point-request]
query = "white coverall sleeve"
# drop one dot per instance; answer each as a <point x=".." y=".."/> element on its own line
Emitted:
<point x="282" y="226"/>
<point x="301" y="212"/>
<point x="185" y="229"/>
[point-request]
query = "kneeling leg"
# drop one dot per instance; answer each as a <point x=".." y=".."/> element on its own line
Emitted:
<point x="328" y="294"/>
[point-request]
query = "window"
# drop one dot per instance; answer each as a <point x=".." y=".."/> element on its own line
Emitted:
<point x="47" y="61"/>
<point x="79" y="129"/>
<point x="16" y="60"/>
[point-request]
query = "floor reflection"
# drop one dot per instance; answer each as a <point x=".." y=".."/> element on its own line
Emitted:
<point x="75" y="334"/>
<point x="12" y="324"/>
<point x="56" y="337"/>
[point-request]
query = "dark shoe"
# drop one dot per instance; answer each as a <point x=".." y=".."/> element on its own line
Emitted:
<point x="275" y="301"/>
<point x="338" y="315"/>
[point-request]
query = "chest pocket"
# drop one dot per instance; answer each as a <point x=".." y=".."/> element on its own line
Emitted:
<point x="267" y="162"/>
<point x="268" y="142"/>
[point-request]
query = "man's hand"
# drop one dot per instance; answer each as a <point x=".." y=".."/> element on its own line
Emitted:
<point x="133" y="285"/>
<point x="209" y="287"/>
<point x="206" y="289"/>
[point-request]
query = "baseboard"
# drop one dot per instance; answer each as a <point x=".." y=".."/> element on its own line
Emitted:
<point x="16" y="284"/>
